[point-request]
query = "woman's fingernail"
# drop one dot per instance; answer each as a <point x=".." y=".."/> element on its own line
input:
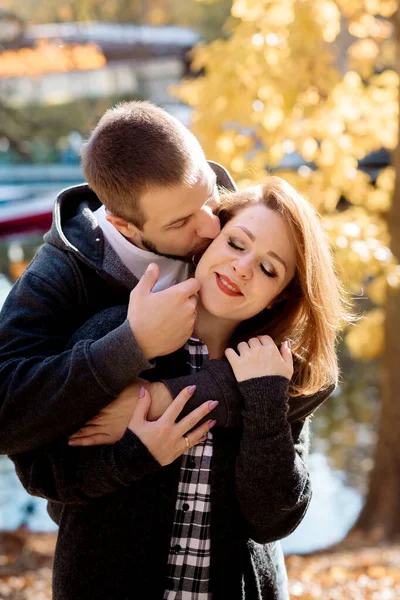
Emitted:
<point x="211" y="423"/>
<point x="71" y="443"/>
<point x="192" y="389"/>
<point x="213" y="404"/>
<point x="203" y="439"/>
<point x="289" y="343"/>
<point x="142" y="392"/>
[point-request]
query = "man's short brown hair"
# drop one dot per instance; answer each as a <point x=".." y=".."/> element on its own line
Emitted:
<point x="136" y="146"/>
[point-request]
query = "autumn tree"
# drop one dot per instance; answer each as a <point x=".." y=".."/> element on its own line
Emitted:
<point x="379" y="518"/>
<point x="318" y="77"/>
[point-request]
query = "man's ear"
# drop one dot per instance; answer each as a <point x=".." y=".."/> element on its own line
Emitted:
<point x="127" y="229"/>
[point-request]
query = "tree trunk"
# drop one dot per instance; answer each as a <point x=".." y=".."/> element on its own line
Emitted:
<point x="379" y="520"/>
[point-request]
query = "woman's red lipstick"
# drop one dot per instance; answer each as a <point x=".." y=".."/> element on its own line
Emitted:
<point x="226" y="289"/>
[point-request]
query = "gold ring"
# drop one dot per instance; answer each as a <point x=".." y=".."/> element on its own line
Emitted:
<point x="187" y="442"/>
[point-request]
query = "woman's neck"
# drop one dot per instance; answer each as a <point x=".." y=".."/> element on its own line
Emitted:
<point x="215" y="332"/>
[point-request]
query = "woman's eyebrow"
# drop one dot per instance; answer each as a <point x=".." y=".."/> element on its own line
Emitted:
<point x="253" y="239"/>
<point x="278" y="258"/>
<point x="247" y="231"/>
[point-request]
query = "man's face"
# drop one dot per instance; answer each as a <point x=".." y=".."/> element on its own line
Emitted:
<point x="180" y="220"/>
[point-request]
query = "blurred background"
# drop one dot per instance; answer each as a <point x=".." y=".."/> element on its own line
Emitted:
<point x="307" y="89"/>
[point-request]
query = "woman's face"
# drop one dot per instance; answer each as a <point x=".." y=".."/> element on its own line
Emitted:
<point x="250" y="262"/>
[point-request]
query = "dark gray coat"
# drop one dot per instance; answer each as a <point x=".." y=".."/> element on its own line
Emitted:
<point x="117" y="505"/>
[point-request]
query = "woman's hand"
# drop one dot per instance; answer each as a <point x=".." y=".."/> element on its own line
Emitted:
<point x="260" y="357"/>
<point x="165" y="439"/>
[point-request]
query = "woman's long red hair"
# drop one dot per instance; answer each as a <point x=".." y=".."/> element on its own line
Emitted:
<point x="313" y="308"/>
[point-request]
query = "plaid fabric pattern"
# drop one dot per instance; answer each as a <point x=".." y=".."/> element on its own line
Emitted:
<point x="189" y="554"/>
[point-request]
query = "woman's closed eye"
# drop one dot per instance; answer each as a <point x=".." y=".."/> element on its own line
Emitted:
<point x="234" y="245"/>
<point x="269" y="273"/>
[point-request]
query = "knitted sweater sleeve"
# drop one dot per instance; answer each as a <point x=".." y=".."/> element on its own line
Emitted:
<point x="68" y="475"/>
<point x="271" y="477"/>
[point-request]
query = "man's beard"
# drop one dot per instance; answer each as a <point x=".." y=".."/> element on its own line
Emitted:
<point x="188" y="259"/>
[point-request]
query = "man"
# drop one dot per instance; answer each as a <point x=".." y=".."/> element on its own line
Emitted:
<point x="150" y="201"/>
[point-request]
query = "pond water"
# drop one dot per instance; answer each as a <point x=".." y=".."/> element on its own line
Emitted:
<point x="341" y="453"/>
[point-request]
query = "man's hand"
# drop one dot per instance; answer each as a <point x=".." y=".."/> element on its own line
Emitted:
<point x="110" y="424"/>
<point x="161" y="398"/>
<point x="162" y="321"/>
<point x="165" y="439"/>
<point x="260" y="357"/>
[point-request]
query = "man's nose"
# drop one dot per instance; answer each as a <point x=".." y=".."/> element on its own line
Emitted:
<point x="242" y="267"/>
<point x="208" y="224"/>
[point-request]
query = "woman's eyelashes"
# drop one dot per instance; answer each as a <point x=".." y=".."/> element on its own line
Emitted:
<point x="233" y="244"/>
<point x="268" y="273"/>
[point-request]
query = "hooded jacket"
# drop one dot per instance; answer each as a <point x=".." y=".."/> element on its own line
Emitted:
<point x="117" y="504"/>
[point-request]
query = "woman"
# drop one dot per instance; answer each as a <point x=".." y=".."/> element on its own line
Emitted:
<point x="203" y="526"/>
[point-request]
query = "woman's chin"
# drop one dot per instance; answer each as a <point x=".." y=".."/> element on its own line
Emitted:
<point x="218" y="309"/>
<point x="219" y="304"/>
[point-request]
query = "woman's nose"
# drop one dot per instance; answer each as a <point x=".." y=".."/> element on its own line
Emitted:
<point x="242" y="268"/>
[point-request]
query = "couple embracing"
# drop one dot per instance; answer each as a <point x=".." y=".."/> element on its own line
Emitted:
<point x="160" y="358"/>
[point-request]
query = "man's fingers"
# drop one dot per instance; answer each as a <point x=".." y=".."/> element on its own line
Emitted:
<point x="175" y="408"/>
<point x="93" y="440"/>
<point x="89" y="429"/>
<point x="195" y="416"/>
<point x="188" y="288"/>
<point x="192" y="303"/>
<point x="149" y="279"/>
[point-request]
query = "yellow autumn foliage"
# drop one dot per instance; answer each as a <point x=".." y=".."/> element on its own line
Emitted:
<point x="367" y="339"/>
<point x="277" y="85"/>
<point x="47" y="57"/>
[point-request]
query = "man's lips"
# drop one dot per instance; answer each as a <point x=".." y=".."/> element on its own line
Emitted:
<point x="227" y="286"/>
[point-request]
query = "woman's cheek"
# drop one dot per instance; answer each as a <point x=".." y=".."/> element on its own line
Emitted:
<point x="199" y="272"/>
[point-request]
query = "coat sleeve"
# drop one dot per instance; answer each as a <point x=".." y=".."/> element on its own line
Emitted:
<point x="46" y="391"/>
<point x="69" y="475"/>
<point x="216" y="381"/>
<point x="271" y="477"/>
